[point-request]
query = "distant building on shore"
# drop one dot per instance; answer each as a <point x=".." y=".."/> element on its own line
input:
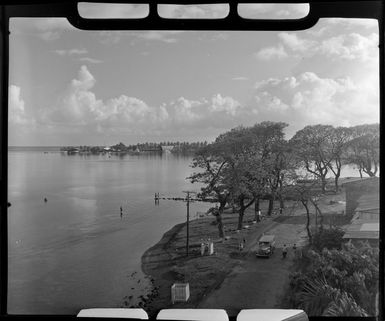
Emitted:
<point x="167" y="148"/>
<point x="72" y="151"/>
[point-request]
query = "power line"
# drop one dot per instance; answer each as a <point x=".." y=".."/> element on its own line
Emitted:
<point x="186" y="199"/>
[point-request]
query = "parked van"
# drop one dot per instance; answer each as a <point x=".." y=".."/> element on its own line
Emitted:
<point x="266" y="246"/>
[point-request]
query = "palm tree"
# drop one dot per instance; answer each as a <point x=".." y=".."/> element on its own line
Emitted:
<point x="321" y="299"/>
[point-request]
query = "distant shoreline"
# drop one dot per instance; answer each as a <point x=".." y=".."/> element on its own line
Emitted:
<point x="34" y="148"/>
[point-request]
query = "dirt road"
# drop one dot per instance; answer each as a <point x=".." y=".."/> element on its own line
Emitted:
<point x="257" y="282"/>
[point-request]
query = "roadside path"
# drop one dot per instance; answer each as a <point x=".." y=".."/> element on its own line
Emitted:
<point x="255" y="282"/>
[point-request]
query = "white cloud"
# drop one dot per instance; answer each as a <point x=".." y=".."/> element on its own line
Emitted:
<point x="16" y="104"/>
<point x="79" y="106"/>
<point x="156" y="35"/>
<point x="310" y="99"/>
<point x="273" y="10"/>
<point x="333" y="27"/>
<point x="306" y="98"/>
<point x="48" y="24"/>
<point x="71" y="52"/>
<point x="272" y="53"/>
<point x="351" y="46"/>
<point x="114" y="37"/>
<point x="211" y="11"/>
<point x="163" y="36"/>
<point x="113" y="10"/>
<point x="16" y="107"/>
<point x="227" y="105"/>
<point x="295" y="43"/>
<point x="240" y="78"/>
<point x="48" y="29"/>
<point x="110" y="37"/>
<point x="90" y="60"/>
<point x="353" y="23"/>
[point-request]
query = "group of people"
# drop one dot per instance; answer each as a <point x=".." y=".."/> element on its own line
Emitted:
<point x="285" y="250"/>
<point x="207" y="246"/>
<point x="259" y="216"/>
<point x="242" y="244"/>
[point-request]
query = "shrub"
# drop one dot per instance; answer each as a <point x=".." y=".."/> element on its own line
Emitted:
<point x="328" y="238"/>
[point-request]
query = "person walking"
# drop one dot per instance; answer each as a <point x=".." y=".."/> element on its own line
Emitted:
<point x="203" y="248"/>
<point x="284" y="251"/>
<point x="121" y="212"/>
<point x="295" y="250"/>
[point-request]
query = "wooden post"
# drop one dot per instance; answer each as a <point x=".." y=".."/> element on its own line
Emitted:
<point x="187" y="225"/>
<point x="188" y="221"/>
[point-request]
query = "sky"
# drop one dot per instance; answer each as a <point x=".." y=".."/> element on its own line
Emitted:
<point x="74" y="87"/>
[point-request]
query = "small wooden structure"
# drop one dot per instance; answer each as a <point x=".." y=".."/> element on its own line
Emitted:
<point x="180" y="292"/>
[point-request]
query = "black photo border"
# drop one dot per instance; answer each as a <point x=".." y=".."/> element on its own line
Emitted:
<point x="68" y="9"/>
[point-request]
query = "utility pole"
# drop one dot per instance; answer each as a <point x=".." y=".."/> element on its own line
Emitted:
<point x="188" y="220"/>
<point x="187" y="223"/>
<point x="188" y="199"/>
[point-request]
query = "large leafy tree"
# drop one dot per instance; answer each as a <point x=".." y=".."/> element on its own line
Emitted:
<point x="314" y="151"/>
<point x="238" y="174"/>
<point x="339" y="140"/>
<point x="256" y="165"/>
<point x="242" y="165"/>
<point x="363" y="150"/>
<point x="338" y="282"/>
<point x="211" y="161"/>
<point x="269" y="156"/>
<point x="305" y="190"/>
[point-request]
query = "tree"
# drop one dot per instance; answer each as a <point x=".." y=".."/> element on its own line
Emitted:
<point x="330" y="239"/>
<point x="313" y="149"/>
<point x="249" y="160"/>
<point x="363" y="150"/>
<point x="238" y="174"/>
<point x="338" y="282"/>
<point x="269" y="150"/>
<point x="319" y="298"/>
<point x="212" y="162"/>
<point x="255" y="158"/>
<point x="339" y="140"/>
<point x="306" y="191"/>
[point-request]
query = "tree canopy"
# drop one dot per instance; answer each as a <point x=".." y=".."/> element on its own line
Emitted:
<point x="248" y="163"/>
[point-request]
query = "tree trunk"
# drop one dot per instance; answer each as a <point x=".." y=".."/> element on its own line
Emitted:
<point x="256" y="209"/>
<point x="370" y="173"/>
<point x="318" y="211"/>
<point x="323" y="184"/>
<point x="242" y="208"/>
<point x="219" y="219"/>
<point x="271" y="205"/>
<point x="304" y="203"/>
<point x="240" y="217"/>
<point x="336" y="183"/>
<point x="281" y="200"/>
<point x="281" y="203"/>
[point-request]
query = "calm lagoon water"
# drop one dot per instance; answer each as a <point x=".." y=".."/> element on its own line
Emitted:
<point x="75" y="251"/>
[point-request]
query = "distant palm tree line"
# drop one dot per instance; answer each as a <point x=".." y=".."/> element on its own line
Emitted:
<point x="174" y="147"/>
